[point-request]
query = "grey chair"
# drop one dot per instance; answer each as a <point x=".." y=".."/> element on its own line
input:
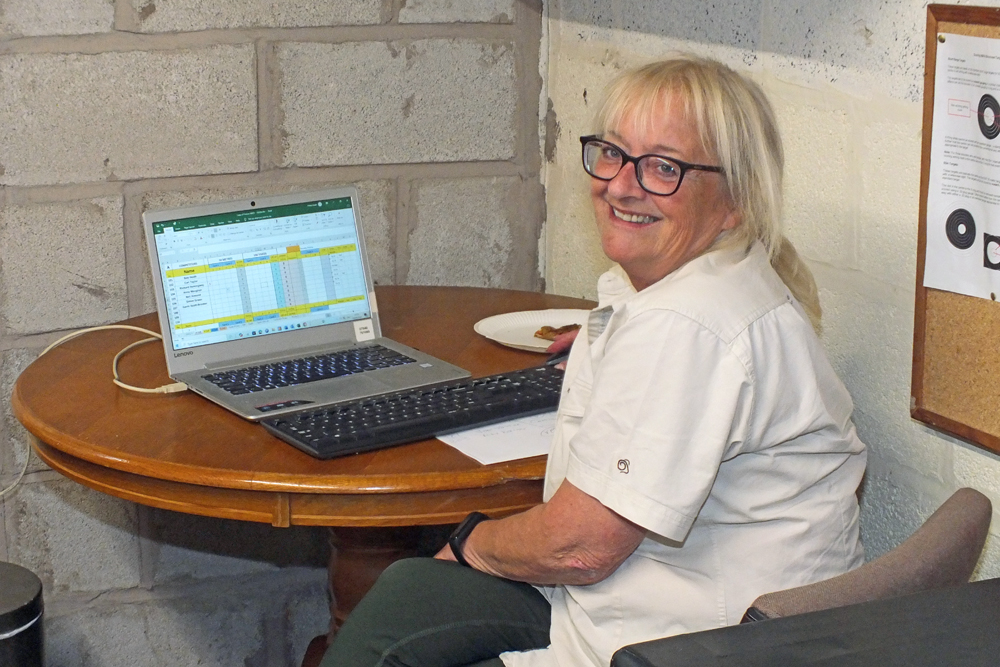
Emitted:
<point x="942" y="552"/>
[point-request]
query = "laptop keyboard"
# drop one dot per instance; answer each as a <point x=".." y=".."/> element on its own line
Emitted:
<point x="395" y="418"/>
<point x="308" y="369"/>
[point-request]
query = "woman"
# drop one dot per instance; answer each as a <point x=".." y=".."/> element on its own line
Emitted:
<point x="703" y="452"/>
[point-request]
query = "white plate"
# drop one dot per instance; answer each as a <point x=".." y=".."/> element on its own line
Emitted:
<point x="517" y="330"/>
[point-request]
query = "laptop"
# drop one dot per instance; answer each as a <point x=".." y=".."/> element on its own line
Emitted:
<point x="258" y="297"/>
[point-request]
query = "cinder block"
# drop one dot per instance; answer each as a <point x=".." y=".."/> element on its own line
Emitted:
<point x="71" y="118"/>
<point x="377" y="213"/>
<point x="148" y="298"/>
<point x="62" y="265"/>
<point x="73" y="538"/>
<point x="893" y="507"/>
<point x="233" y="621"/>
<point x="385" y="103"/>
<point x="31" y="18"/>
<point x="16" y="437"/>
<point x="98" y="636"/>
<point x="464" y="232"/>
<point x="574" y="256"/>
<point x="868" y="335"/>
<point x="989" y="563"/>
<point x="979" y="469"/>
<point x="728" y="22"/>
<point x="867" y="330"/>
<point x="190" y="15"/>
<point x="880" y="46"/>
<point x="818" y="190"/>
<point x="206" y="630"/>
<point x="457" y="11"/>
<point x="195" y="547"/>
<point x="890" y="197"/>
<point x="111" y="637"/>
<point x="308" y="614"/>
<point x="223" y="631"/>
<point x="896" y="441"/>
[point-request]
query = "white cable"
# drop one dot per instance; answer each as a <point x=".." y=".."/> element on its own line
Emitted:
<point x="70" y="336"/>
<point x="24" y="468"/>
<point x="165" y="389"/>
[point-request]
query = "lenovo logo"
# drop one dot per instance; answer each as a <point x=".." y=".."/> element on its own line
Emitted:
<point x="183" y="354"/>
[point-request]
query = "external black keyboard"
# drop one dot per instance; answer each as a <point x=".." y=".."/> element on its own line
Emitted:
<point x="393" y="419"/>
<point x="307" y="369"/>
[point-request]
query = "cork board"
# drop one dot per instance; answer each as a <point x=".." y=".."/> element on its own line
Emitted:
<point x="956" y="338"/>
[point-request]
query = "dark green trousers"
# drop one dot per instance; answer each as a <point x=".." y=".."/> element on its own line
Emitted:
<point x="430" y="613"/>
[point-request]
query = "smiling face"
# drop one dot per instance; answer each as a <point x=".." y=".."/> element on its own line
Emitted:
<point x="651" y="236"/>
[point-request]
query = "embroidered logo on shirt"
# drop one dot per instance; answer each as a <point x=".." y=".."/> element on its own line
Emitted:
<point x="623" y="466"/>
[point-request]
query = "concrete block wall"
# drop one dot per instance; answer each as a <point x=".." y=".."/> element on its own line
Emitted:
<point x="846" y="81"/>
<point x="112" y="107"/>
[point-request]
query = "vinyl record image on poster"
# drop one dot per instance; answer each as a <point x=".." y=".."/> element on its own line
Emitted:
<point x="989" y="116"/>
<point x="961" y="229"/>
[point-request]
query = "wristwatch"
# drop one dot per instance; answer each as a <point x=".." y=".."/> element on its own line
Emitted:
<point x="461" y="534"/>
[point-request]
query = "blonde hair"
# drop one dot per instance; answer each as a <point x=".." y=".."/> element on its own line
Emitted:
<point x="737" y="127"/>
<point x="799" y="281"/>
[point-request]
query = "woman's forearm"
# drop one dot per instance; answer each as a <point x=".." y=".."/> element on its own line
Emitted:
<point x="571" y="539"/>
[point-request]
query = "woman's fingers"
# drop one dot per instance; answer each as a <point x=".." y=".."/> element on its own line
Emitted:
<point x="562" y="342"/>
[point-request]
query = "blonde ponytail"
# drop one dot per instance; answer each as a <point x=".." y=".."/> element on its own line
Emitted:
<point x="799" y="280"/>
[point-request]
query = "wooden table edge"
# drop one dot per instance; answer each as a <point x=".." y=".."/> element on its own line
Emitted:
<point x="283" y="509"/>
<point x="489" y="475"/>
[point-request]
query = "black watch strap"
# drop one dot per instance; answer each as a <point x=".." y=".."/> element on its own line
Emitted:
<point x="461" y="534"/>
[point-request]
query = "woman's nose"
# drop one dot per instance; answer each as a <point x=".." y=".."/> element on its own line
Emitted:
<point x="625" y="183"/>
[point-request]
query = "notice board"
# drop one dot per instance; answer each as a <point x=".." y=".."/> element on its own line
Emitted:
<point x="956" y="340"/>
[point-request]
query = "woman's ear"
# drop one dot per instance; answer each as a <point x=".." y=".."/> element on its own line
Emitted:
<point x="733" y="219"/>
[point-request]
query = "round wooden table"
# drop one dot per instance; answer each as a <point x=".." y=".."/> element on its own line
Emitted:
<point x="184" y="453"/>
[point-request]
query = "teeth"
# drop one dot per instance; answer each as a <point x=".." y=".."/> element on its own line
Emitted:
<point x="640" y="219"/>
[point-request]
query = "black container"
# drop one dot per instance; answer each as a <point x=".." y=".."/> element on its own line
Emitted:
<point x="20" y="617"/>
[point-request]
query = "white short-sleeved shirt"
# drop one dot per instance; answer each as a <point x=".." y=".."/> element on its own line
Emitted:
<point x="704" y="410"/>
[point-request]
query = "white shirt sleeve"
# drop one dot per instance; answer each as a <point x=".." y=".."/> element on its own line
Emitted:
<point x="670" y="400"/>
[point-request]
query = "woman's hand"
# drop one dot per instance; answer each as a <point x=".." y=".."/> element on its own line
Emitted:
<point x="446" y="553"/>
<point x="571" y="539"/>
<point x="562" y="343"/>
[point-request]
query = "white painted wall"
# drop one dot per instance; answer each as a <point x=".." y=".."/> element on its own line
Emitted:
<point x="846" y="81"/>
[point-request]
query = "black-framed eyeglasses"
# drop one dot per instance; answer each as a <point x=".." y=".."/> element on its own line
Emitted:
<point x="656" y="174"/>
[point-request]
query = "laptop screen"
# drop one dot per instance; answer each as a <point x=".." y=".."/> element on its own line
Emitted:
<point x="260" y="271"/>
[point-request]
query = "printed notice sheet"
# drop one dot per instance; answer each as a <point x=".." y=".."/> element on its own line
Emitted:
<point x="963" y="196"/>
<point x="506" y="441"/>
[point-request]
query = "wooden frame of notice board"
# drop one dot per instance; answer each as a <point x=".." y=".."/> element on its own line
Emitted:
<point x="956" y="338"/>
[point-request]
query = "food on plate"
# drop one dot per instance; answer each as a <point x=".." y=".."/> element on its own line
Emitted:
<point x="550" y="333"/>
